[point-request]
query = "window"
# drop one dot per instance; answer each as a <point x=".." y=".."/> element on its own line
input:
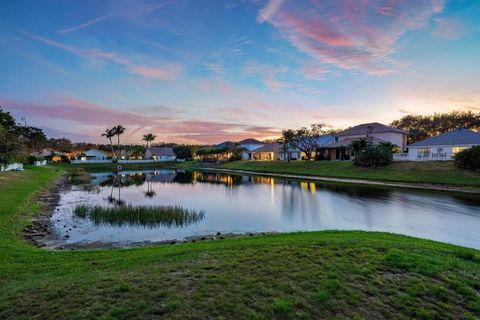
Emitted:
<point x="456" y="150"/>
<point x="423" y="152"/>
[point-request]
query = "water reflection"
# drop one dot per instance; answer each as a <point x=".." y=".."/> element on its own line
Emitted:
<point x="144" y="216"/>
<point x="235" y="203"/>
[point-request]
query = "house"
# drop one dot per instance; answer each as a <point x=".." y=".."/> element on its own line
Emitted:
<point x="249" y="145"/>
<point x="269" y="151"/>
<point x="443" y="147"/>
<point x="375" y="131"/>
<point x="296" y="154"/>
<point x="160" y="153"/>
<point x="93" y="155"/>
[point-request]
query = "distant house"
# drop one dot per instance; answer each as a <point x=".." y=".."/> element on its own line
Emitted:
<point x="443" y="147"/>
<point x="160" y="153"/>
<point x="49" y="153"/>
<point x="375" y="131"/>
<point x="269" y="151"/>
<point x="93" y="155"/>
<point x="249" y="145"/>
<point x="296" y="154"/>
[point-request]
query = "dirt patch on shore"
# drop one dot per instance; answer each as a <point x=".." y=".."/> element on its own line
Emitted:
<point x="39" y="231"/>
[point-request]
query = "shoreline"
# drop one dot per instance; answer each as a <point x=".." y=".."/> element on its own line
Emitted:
<point x="420" y="186"/>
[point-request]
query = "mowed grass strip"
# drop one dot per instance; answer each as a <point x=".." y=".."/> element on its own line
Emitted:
<point x="431" y="172"/>
<point x="287" y="276"/>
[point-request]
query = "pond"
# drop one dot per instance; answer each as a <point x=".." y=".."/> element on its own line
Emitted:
<point x="161" y="205"/>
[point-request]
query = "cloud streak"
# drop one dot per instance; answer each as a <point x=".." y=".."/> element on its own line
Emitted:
<point x="351" y="35"/>
<point x="168" y="71"/>
<point x="129" y="13"/>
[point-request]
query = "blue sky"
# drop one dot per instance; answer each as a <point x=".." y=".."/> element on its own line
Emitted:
<point x="206" y="71"/>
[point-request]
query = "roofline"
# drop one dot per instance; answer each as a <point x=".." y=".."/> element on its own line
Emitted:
<point x="356" y="134"/>
<point x="441" y="145"/>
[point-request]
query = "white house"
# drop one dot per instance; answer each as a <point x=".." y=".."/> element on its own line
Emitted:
<point x="92" y="156"/>
<point x="160" y="153"/>
<point x="377" y="132"/>
<point x="267" y="152"/>
<point x="249" y="145"/>
<point x="443" y="147"/>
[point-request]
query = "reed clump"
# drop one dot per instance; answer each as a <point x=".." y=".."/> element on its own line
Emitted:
<point x="147" y="216"/>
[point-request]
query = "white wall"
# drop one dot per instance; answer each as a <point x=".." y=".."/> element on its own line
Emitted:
<point x="294" y="155"/>
<point x="90" y="161"/>
<point x="147" y="160"/>
<point x="434" y="153"/>
<point x="396" y="138"/>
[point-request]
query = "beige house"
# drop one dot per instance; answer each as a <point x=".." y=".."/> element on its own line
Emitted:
<point x="375" y="131"/>
<point x="268" y="152"/>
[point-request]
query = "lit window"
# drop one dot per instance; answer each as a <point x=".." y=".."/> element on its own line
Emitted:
<point x="456" y="150"/>
<point x="423" y="152"/>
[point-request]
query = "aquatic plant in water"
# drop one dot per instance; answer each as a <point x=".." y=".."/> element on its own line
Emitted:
<point x="147" y="216"/>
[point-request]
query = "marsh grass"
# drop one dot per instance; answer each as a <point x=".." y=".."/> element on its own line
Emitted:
<point x="147" y="216"/>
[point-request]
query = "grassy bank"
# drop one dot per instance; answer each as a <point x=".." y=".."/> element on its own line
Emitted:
<point x="105" y="167"/>
<point x="288" y="276"/>
<point x="411" y="172"/>
<point x="440" y="173"/>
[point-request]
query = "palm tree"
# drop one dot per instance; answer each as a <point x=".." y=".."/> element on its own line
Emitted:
<point x="288" y="142"/>
<point x="149" y="138"/>
<point x="118" y="130"/>
<point x="109" y="134"/>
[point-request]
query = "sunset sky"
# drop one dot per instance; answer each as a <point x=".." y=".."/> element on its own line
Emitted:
<point x="204" y="71"/>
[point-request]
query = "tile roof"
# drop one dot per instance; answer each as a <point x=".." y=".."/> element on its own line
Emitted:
<point x="451" y="138"/>
<point x="363" y="129"/>
<point x="269" y="147"/>
<point x="346" y="142"/>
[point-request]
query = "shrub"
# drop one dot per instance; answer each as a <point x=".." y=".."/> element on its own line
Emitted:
<point x="469" y="159"/>
<point x="31" y="159"/>
<point x="369" y="155"/>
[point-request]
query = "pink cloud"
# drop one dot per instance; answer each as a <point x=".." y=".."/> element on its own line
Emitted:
<point x="75" y="110"/>
<point x="167" y="71"/>
<point x="83" y="120"/>
<point x="352" y="35"/>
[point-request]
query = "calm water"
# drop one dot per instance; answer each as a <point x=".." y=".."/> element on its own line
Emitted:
<point x="239" y="204"/>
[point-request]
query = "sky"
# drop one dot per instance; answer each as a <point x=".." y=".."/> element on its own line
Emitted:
<point x="205" y="71"/>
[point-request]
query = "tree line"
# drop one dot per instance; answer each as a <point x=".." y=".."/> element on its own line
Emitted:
<point x="421" y="127"/>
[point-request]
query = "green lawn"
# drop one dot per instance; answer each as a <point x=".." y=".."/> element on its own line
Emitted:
<point x="414" y="172"/>
<point x="288" y="276"/>
<point x="105" y="167"/>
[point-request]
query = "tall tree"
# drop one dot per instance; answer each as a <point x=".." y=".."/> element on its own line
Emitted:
<point x="118" y="130"/>
<point x="34" y="139"/>
<point x="421" y="127"/>
<point x="307" y="139"/>
<point x="109" y="134"/>
<point x="288" y="142"/>
<point x="148" y="138"/>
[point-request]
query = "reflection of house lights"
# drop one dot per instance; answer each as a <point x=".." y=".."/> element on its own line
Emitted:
<point x="313" y="188"/>
<point x="304" y="185"/>
<point x="272" y="189"/>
